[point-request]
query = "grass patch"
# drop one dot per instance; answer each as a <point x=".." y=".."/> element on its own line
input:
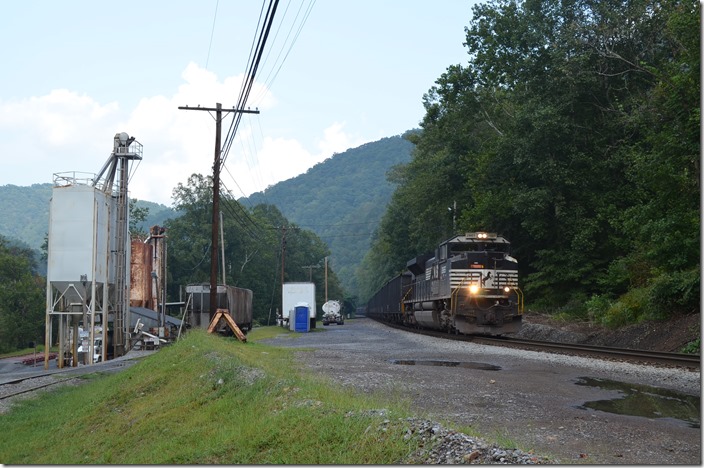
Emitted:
<point x="693" y="347"/>
<point x="206" y="400"/>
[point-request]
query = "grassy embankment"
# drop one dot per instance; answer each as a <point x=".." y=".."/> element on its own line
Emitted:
<point x="205" y="400"/>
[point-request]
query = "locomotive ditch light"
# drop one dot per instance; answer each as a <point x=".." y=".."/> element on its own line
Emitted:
<point x="507" y="289"/>
<point x="473" y="288"/>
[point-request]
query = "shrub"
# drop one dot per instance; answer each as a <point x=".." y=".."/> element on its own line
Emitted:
<point x="631" y="307"/>
<point x="676" y="292"/>
<point x="597" y="306"/>
<point x="693" y="347"/>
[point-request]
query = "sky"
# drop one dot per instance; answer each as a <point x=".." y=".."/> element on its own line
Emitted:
<point x="335" y="74"/>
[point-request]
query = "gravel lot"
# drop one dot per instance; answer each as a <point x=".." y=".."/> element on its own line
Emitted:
<point x="532" y="400"/>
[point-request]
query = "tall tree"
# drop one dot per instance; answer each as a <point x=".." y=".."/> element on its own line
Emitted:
<point x="22" y="307"/>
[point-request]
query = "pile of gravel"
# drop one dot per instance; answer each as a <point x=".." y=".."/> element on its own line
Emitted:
<point x="441" y="446"/>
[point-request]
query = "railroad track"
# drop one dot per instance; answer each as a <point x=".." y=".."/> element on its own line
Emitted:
<point x="30" y="383"/>
<point x="688" y="361"/>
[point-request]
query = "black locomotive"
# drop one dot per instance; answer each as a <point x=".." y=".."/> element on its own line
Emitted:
<point x="469" y="286"/>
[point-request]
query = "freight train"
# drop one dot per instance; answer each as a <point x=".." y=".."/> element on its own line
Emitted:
<point x="468" y="286"/>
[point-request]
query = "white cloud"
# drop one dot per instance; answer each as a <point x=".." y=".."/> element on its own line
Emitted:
<point x="43" y="135"/>
<point x="335" y="140"/>
<point x="64" y="131"/>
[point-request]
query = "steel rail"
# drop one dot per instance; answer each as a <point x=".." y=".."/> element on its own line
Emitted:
<point x="62" y="376"/>
<point x="31" y="389"/>
<point x="688" y="361"/>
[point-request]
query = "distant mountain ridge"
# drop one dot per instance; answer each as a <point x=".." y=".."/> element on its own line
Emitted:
<point x="342" y="200"/>
<point x="24" y="213"/>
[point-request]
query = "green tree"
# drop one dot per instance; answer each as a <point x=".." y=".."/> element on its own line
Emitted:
<point x="573" y="131"/>
<point x="252" y="246"/>
<point x="22" y="298"/>
<point x="137" y="216"/>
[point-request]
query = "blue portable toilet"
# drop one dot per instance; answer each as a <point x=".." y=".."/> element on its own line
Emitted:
<point x="301" y="321"/>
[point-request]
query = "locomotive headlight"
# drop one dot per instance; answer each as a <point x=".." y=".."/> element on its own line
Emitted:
<point x="473" y="288"/>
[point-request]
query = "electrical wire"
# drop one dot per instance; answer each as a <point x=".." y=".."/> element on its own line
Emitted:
<point x="212" y="32"/>
<point x="254" y="61"/>
<point x="245" y="220"/>
<point x="249" y="79"/>
<point x="269" y="82"/>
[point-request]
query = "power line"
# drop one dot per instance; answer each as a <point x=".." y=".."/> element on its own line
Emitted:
<point x="366" y="223"/>
<point x="307" y="13"/>
<point x="212" y="32"/>
<point x="249" y="226"/>
<point x="254" y="60"/>
<point x="322" y="236"/>
<point x="249" y="81"/>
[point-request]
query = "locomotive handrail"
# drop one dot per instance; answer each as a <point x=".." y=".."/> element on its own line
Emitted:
<point x="519" y="293"/>
<point x="455" y="292"/>
<point x="403" y="308"/>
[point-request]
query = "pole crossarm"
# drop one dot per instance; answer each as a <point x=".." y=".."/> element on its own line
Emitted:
<point x="214" y="109"/>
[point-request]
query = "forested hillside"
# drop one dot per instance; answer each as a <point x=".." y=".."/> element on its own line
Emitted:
<point x="24" y="213"/>
<point x="573" y="130"/>
<point x="342" y="200"/>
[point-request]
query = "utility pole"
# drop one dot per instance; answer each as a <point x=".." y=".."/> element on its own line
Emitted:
<point x="283" y="253"/>
<point x="222" y="250"/>
<point x="326" y="279"/>
<point x="216" y="196"/>
<point x="310" y="271"/>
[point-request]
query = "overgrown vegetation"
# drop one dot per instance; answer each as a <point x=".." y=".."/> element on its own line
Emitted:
<point x="205" y="400"/>
<point x="695" y="347"/>
<point x="573" y="130"/>
<point x="21" y="297"/>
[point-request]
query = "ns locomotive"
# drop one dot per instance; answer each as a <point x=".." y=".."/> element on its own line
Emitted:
<point x="469" y="286"/>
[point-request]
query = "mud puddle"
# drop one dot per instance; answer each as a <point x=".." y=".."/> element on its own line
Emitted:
<point x="644" y="401"/>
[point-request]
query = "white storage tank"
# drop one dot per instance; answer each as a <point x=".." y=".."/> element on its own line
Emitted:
<point x="80" y="221"/>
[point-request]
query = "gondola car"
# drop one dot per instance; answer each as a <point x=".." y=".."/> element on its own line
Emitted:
<point x="469" y="286"/>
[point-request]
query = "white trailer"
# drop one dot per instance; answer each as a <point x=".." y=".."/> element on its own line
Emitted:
<point x="292" y="295"/>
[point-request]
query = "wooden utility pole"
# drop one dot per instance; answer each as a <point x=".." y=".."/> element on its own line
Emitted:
<point x="216" y="197"/>
<point x="326" y="279"/>
<point x="283" y="253"/>
<point x="310" y="271"/>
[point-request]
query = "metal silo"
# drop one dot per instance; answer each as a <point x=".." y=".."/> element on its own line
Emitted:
<point x="88" y="258"/>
